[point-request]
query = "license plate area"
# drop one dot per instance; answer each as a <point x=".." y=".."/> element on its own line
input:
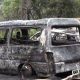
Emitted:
<point x="76" y="71"/>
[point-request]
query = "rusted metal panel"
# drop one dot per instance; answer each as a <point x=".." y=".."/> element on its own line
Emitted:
<point x="69" y="53"/>
<point x="17" y="55"/>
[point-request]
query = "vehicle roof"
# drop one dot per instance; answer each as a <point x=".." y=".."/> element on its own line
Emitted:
<point x="42" y="22"/>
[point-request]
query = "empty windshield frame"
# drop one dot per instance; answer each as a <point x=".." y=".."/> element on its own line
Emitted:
<point x="64" y="27"/>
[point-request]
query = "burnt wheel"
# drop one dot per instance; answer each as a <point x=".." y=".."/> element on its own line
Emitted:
<point x="26" y="71"/>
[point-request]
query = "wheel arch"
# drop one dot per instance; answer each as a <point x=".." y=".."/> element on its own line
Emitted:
<point x="21" y="65"/>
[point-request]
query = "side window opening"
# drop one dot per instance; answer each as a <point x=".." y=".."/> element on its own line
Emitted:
<point x="34" y="34"/>
<point x="65" y="36"/>
<point x="24" y="36"/>
<point x="3" y="36"/>
<point x="16" y="33"/>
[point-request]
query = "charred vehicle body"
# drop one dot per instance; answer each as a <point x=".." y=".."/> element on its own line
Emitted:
<point x="42" y="47"/>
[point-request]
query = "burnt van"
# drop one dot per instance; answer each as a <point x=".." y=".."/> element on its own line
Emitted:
<point x="42" y="47"/>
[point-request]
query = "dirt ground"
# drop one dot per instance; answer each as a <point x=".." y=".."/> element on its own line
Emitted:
<point x="8" y="77"/>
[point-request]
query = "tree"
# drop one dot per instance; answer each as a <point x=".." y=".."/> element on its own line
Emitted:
<point x="53" y="8"/>
<point x="77" y="8"/>
<point x="25" y="9"/>
<point x="36" y="9"/>
<point x="1" y="17"/>
<point x="39" y="8"/>
<point x="63" y="8"/>
<point x="10" y="9"/>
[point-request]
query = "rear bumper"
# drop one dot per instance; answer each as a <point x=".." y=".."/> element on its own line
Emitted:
<point x="64" y="67"/>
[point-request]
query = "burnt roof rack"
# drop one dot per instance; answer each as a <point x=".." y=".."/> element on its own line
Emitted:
<point x="42" y="22"/>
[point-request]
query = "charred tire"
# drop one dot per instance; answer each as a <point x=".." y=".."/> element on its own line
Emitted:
<point x="26" y="71"/>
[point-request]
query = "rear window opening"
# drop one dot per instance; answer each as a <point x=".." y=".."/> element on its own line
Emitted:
<point x="65" y="36"/>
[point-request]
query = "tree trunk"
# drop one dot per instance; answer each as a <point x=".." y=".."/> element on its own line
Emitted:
<point x="25" y="9"/>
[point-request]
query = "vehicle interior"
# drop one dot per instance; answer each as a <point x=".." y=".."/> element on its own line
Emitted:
<point x="24" y="36"/>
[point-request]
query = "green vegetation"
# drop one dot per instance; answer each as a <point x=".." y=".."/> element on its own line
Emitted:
<point x="10" y="9"/>
<point x="35" y="9"/>
<point x="17" y="9"/>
